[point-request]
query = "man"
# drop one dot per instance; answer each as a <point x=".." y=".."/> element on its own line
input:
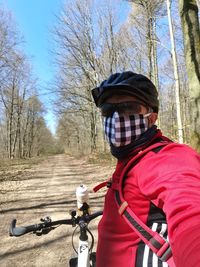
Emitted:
<point x="162" y="187"/>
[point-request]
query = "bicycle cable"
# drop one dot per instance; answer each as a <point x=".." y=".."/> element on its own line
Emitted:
<point x="73" y="239"/>
<point x="92" y="241"/>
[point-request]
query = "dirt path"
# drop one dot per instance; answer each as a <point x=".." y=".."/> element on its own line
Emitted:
<point x="48" y="190"/>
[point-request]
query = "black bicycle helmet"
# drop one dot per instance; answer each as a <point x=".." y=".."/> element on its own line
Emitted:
<point x="127" y="83"/>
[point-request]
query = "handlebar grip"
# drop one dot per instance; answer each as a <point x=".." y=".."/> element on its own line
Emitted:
<point x="18" y="231"/>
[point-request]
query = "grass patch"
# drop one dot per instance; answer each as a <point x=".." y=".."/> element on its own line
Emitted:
<point x="101" y="159"/>
<point x="12" y="170"/>
<point x="4" y="163"/>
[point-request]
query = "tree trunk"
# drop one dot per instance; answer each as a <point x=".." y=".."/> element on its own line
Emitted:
<point x="176" y="75"/>
<point x="31" y="137"/>
<point x="155" y="61"/>
<point x="11" y="115"/>
<point x="191" y="37"/>
<point x="93" y="131"/>
<point x="15" y="138"/>
<point x="25" y="137"/>
<point x="150" y="47"/>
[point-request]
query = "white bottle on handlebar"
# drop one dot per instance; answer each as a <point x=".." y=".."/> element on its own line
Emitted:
<point x="82" y="195"/>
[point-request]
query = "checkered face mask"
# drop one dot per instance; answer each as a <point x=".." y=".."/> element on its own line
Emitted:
<point x="121" y="130"/>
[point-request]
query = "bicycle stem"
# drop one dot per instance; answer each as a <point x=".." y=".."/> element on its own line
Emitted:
<point x="83" y="231"/>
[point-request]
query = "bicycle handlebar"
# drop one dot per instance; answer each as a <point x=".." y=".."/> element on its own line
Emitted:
<point x="48" y="223"/>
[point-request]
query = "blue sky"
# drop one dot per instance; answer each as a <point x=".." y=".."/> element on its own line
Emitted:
<point x="35" y="20"/>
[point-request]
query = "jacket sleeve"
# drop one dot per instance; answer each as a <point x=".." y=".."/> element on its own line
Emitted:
<point x="171" y="180"/>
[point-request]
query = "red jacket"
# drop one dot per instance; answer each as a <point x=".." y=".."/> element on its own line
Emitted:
<point x="170" y="181"/>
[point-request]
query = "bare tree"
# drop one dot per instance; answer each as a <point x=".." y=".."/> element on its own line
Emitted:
<point x="88" y="53"/>
<point x="21" y="119"/>
<point x="31" y="129"/>
<point x="150" y="11"/>
<point x="191" y="36"/>
<point x="13" y="92"/>
<point x="176" y="74"/>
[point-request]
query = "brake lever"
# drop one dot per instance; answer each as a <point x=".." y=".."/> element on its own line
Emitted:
<point x="43" y="231"/>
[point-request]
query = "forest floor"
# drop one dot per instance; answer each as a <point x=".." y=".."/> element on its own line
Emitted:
<point x="46" y="188"/>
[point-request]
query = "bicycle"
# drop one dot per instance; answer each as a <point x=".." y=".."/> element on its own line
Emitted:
<point x="85" y="256"/>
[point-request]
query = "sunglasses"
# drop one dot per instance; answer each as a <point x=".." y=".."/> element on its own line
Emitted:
<point x="129" y="108"/>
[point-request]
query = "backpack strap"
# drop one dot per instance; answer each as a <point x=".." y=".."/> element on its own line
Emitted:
<point x="155" y="242"/>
